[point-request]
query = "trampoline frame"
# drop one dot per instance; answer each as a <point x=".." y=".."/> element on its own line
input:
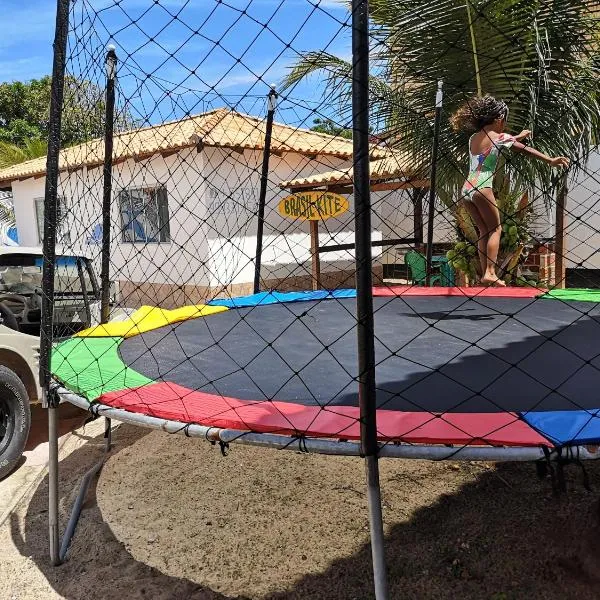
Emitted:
<point x="280" y="442"/>
<point x="331" y="446"/>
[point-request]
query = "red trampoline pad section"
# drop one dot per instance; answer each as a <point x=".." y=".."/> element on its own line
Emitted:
<point x="173" y="402"/>
<point x="470" y="292"/>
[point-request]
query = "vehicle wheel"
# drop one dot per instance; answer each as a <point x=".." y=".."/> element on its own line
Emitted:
<point x="15" y="420"/>
<point x="8" y="318"/>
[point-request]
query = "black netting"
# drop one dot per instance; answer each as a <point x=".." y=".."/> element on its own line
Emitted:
<point x="233" y="173"/>
<point x="287" y="248"/>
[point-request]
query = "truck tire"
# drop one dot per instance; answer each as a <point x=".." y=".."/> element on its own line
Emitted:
<point x="15" y="420"/>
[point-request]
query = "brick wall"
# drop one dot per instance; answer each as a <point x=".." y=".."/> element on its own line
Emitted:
<point x="541" y="262"/>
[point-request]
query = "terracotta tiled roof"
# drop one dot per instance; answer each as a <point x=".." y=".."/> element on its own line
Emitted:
<point x="396" y="165"/>
<point x="219" y="128"/>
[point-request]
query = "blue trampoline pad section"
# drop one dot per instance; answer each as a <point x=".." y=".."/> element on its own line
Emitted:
<point x="61" y="261"/>
<point x="566" y="428"/>
<point x="264" y="298"/>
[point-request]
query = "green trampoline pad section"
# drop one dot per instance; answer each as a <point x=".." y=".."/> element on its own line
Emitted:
<point x="92" y="367"/>
<point x="581" y="295"/>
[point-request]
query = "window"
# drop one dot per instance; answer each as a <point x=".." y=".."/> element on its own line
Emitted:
<point x="145" y="215"/>
<point x="62" y="234"/>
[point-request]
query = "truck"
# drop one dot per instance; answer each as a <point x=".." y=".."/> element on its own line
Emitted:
<point x="76" y="307"/>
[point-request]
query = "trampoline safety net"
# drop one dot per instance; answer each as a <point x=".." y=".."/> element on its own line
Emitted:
<point x="242" y="176"/>
<point x="349" y="227"/>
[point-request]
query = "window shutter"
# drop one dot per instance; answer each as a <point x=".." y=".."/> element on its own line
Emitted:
<point x="163" y="214"/>
<point x="124" y="209"/>
<point x="62" y="209"/>
<point x="39" y="215"/>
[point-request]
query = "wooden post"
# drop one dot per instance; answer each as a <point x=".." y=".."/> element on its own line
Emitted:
<point x="417" y="198"/>
<point x="560" y="246"/>
<point x="314" y="252"/>
<point x="432" y="178"/>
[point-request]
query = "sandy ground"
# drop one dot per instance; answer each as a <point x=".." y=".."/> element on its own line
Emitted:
<point x="171" y="518"/>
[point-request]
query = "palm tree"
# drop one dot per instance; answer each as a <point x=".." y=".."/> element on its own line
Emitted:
<point x="540" y="56"/>
<point x="12" y="154"/>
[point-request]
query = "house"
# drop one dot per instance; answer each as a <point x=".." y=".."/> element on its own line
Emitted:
<point x="582" y="224"/>
<point x="184" y="206"/>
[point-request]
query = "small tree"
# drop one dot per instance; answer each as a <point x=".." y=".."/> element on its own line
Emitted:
<point x="331" y="128"/>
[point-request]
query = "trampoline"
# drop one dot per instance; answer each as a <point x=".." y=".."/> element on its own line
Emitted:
<point x="459" y="368"/>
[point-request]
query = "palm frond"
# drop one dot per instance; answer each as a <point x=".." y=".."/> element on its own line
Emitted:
<point x="11" y="154"/>
<point x="540" y="56"/>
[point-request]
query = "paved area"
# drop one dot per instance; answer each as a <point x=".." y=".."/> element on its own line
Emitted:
<point x="35" y="458"/>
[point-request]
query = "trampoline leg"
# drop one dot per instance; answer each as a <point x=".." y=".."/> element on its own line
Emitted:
<point x="77" y="505"/>
<point x="376" y="527"/>
<point x="53" y="485"/>
<point x="83" y="489"/>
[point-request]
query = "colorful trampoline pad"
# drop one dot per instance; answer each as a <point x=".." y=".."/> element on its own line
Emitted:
<point x="573" y="294"/>
<point x="92" y="367"/>
<point x="439" y="398"/>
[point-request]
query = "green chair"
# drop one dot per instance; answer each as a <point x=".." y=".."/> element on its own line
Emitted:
<point x="417" y="267"/>
<point x="447" y="273"/>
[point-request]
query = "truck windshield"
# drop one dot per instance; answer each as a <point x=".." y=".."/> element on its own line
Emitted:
<point x="22" y="274"/>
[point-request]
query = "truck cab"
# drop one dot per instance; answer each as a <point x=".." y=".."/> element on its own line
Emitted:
<point x="76" y="307"/>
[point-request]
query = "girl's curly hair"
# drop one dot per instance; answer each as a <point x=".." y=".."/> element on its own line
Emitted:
<point x="478" y="112"/>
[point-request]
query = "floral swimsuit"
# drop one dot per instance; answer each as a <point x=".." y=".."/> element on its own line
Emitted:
<point x="483" y="166"/>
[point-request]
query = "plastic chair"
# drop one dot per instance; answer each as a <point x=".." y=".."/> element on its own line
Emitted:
<point x="417" y="266"/>
<point x="447" y="273"/>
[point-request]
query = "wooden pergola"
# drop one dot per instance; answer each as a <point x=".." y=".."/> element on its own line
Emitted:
<point x="391" y="173"/>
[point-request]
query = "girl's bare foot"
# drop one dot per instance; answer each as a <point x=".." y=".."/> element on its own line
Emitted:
<point x="492" y="280"/>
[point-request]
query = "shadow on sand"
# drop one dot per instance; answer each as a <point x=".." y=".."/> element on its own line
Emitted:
<point x="501" y="535"/>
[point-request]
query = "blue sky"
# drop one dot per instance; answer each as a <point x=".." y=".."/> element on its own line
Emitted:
<point x="223" y="49"/>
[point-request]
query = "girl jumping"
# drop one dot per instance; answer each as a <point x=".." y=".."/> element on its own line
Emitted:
<point x="486" y="117"/>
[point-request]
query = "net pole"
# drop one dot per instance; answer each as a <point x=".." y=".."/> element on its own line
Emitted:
<point x="559" y="234"/>
<point x="50" y="400"/>
<point x="314" y="253"/>
<point x="417" y="200"/>
<point x="109" y="123"/>
<point x="264" y="179"/>
<point x="439" y="97"/>
<point x="364" y="287"/>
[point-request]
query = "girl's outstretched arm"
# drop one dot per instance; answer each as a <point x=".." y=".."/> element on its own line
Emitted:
<point x="557" y="161"/>
<point x="524" y="134"/>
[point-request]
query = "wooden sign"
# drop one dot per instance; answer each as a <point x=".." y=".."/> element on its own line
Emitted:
<point x="313" y="206"/>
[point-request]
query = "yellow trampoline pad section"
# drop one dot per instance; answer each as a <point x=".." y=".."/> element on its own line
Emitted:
<point x="148" y="318"/>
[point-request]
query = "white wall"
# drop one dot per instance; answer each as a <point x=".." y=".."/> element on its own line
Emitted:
<point x="24" y="193"/>
<point x="213" y="196"/>
<point x="286" y="243"/>
<point x="583" y="218"/>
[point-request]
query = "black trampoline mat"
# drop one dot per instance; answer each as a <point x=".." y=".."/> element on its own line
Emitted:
<point x="433" y="353"/>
